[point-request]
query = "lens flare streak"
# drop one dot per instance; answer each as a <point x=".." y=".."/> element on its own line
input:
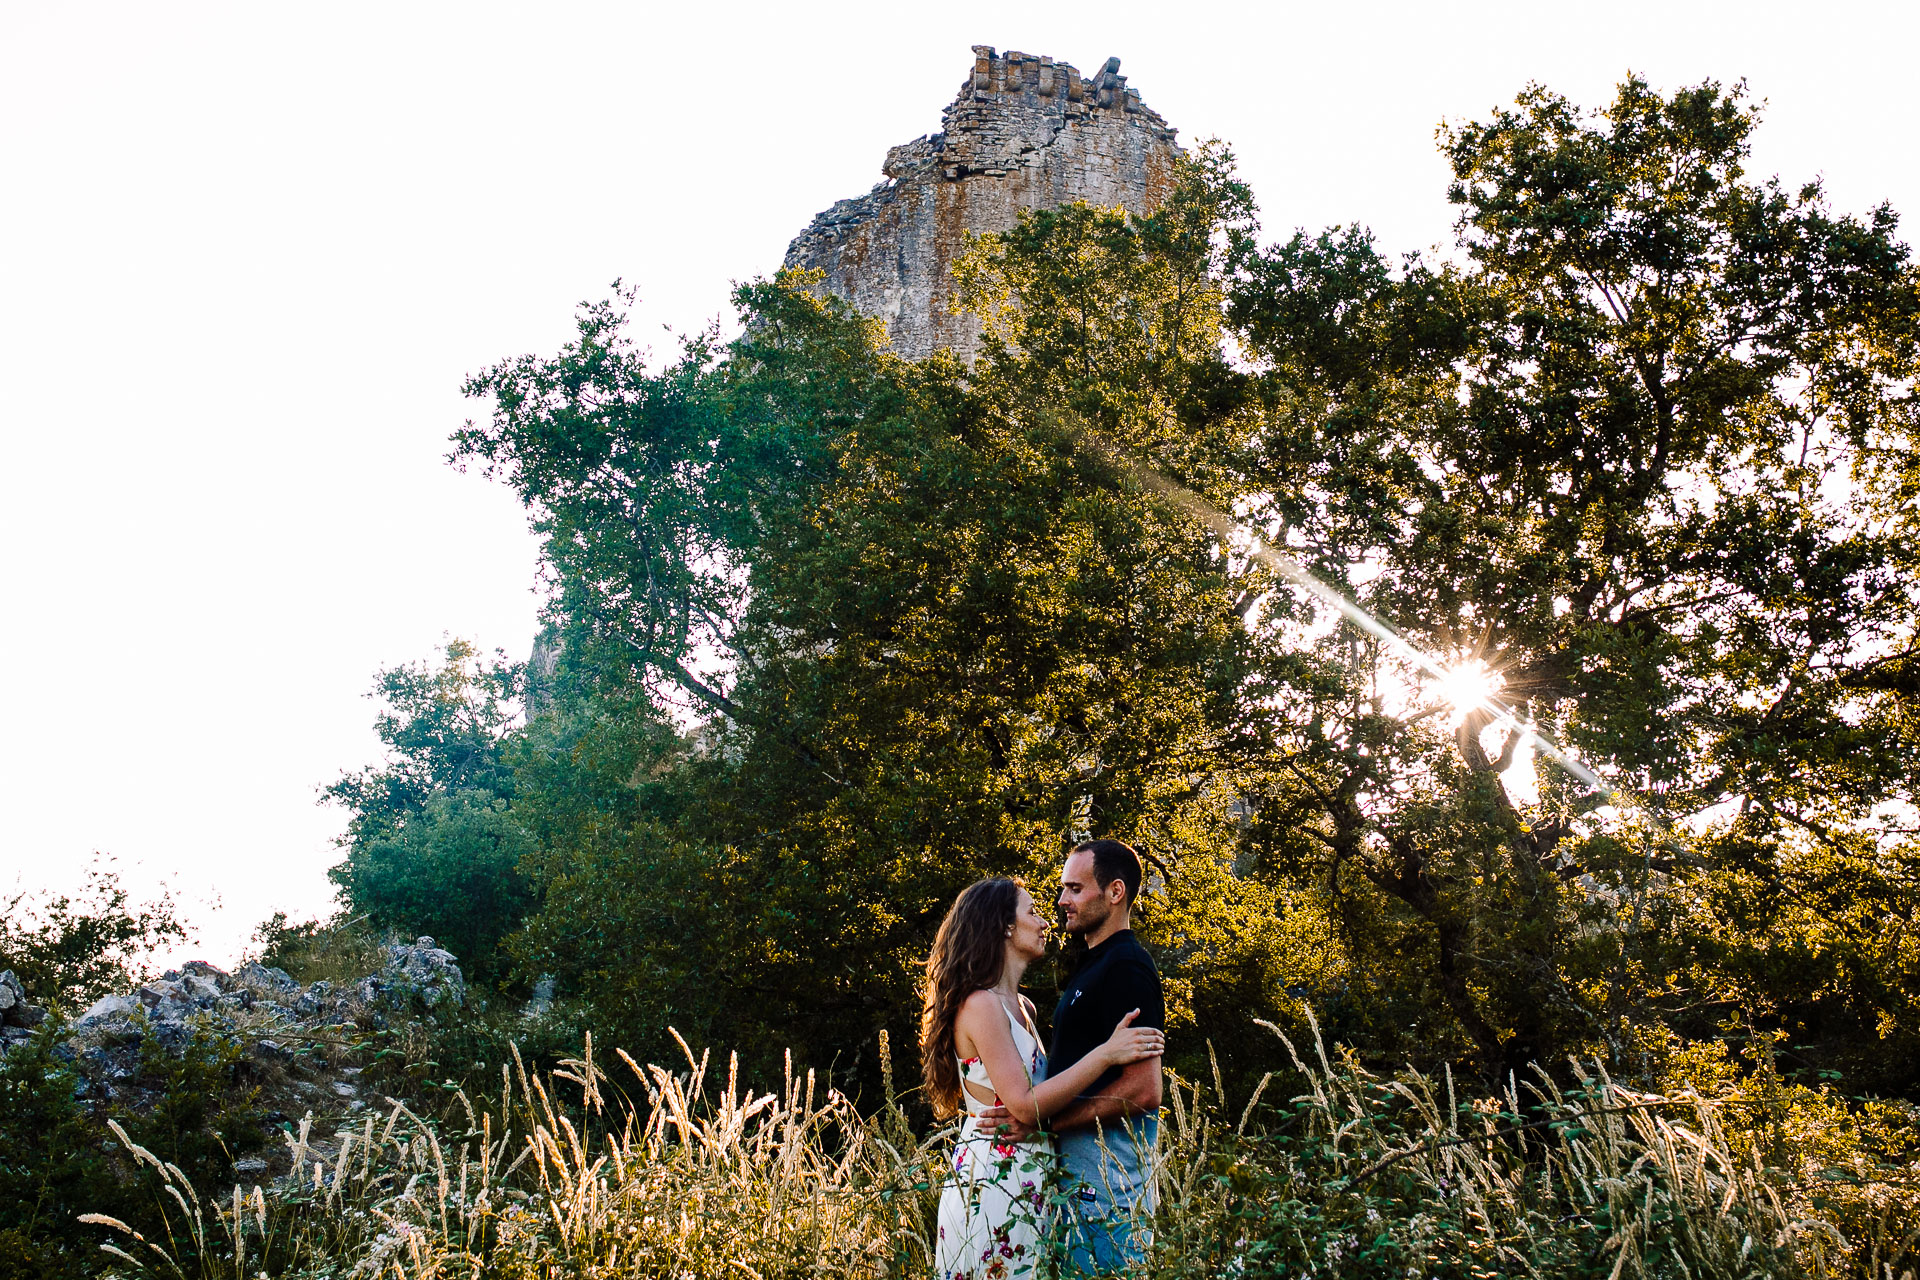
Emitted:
<point x="1231" y="532"/>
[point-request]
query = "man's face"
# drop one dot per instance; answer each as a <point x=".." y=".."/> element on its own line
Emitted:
<point x="1083" y="904"/>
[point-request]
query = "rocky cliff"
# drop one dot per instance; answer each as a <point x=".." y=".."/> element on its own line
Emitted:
<point x="1025" y="132"/>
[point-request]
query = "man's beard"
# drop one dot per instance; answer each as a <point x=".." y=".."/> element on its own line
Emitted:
<point x="1089" y="918"/>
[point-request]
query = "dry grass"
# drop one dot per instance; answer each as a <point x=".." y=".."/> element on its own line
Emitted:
<point x="341" y="952"/>
<point x="571" y="1175"/>
<point x="669" y="1173"/>
<point x="1400" y="1176"/>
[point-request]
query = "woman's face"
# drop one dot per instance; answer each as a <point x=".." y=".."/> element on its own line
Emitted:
<point x="1029" y="929"/>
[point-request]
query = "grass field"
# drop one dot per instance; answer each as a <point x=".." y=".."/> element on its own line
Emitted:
<point x="607" y="1167"/>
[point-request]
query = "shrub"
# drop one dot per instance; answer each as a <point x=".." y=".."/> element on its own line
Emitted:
<point x="339" y="950"/>
<point x="69" y="949"/>
<point x="51" y="1166"/>
<point x="195" y="1112"/>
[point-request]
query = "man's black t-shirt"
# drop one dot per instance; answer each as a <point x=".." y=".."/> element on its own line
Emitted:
<point x="1116" y="978"/>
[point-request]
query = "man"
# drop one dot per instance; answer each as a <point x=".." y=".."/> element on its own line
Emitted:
<point x="1107" y="1138"/>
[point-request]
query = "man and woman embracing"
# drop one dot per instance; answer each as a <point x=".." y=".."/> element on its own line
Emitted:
<point x="1054" y="1158"/>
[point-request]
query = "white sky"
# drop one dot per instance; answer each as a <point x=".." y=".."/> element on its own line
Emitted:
<point x="248" y="253"/>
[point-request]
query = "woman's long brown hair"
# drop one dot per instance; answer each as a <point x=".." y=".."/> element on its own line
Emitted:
<point x="969" y="953"/>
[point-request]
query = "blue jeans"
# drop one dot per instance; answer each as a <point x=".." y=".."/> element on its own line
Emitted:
<point x="1110" y="1195"/>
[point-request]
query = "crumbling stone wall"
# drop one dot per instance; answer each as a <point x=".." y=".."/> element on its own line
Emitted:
<point x="1026" y="132"/>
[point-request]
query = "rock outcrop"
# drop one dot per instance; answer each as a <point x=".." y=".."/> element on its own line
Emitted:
<point x="543" y="669"/>
<point x="1025" y="133"/>
<point x="257" y="1010"/>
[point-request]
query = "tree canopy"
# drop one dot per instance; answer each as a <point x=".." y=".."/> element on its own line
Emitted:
<point x="841" y="632"/>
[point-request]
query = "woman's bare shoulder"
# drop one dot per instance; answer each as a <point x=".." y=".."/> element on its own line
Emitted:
<point x="980" y="1018"/>
<point x="980" y="1003"/>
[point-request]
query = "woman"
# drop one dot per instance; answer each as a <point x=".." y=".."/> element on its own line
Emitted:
<point x="979" y="1048"/>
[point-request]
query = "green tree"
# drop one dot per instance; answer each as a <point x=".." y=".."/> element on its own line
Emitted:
<point x="1632" y="454"/>
<point x="927" y="641"/>
<point x="432" y="844"/>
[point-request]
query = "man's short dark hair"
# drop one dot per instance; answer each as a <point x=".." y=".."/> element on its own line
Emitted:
<point x="1113" y="860"/>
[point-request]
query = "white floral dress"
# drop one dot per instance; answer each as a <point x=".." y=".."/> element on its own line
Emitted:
<point x="993" y="1209"/>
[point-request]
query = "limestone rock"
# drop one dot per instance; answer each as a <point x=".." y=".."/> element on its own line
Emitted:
<point x="542" y="674"/>
<point x="202" y="991"/>
<point x="422" y="972"/>
<point x="315" y="1000"/>
<point x="158" y="992"/>
<point x="108" y="1007"/>
<point x="17" y="1014"/>
<point x="266" y="1050"/>
<point x="1024" y="133"/>
<point x="106" y="1024"/>
<point x="266" y="983"/>
<point x="260" y="1016"/>
<point x="173" y="1035"/>
<point x="200" y="969"/>
<point x="285" y="1050"/>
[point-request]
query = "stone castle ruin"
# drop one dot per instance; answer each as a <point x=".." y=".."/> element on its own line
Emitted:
<point x="1026" y="132"/>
